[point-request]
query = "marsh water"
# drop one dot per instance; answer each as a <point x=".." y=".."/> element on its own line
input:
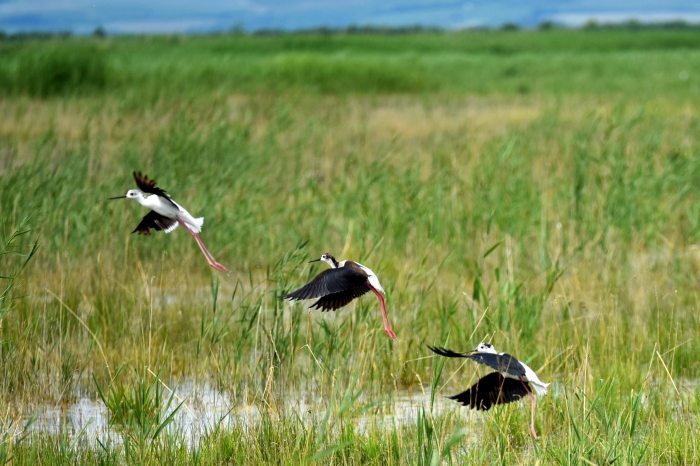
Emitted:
<point x="204" y="409"/>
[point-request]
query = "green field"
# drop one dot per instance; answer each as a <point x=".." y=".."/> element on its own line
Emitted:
<point x="539" y="190"/>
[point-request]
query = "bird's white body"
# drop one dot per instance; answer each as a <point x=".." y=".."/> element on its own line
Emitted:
<point x="530" y="376"/>
<point x="539" y="386"/>
<point x="166" y="209"/>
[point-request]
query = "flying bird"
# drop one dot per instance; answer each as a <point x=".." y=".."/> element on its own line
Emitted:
<point x="512" y="380"/>
<point x="337" y="286"/>
<point x="166" y="214"/>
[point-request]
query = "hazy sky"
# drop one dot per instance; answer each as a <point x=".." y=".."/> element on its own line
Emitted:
<point x="157" y="16"/>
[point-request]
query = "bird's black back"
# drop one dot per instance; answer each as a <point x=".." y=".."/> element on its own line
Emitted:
<point x="504" y="363"/>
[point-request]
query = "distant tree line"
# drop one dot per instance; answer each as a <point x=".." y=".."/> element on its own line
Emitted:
<point x="631" y="24"/>
<point x="591" y="25"/>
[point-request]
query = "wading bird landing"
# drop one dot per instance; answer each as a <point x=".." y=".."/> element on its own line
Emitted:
<point x="511" y="381"/>
<point x="166" y="214"/>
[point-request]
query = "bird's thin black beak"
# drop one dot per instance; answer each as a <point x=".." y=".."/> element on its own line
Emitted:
<point x="116" y="197"/>
<point x="315" y="260"/>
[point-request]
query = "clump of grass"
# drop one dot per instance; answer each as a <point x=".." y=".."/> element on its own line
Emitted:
<point x="140" y="410"/>
<point x="58" y="69"/>
<point x="15" y="255"/>
<point x="12" y="431"/>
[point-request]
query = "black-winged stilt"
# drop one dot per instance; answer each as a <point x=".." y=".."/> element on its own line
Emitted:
<point x="343" y="282"/>
<point x="166" y="214"/>
<point x="512" y="381"/>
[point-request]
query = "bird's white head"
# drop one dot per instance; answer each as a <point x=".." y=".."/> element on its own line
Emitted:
<point x="486" y="348"/>
<point x="133" y="194"/>
<point x="328" y="259"/>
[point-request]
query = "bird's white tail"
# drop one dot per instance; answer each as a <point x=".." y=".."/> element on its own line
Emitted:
<point x="541" y="389"/>
<point x="197" y="224"/>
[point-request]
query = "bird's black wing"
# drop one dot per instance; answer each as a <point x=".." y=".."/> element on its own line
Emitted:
<point x="331" y="281"/>
<point x="500" y="362"/>
<point x="148" y="186"/>
<point x="334" y="301"/>
<point x="492" y="389"/>
<point x="153" y="220"/>
<point x="448" y="353"/>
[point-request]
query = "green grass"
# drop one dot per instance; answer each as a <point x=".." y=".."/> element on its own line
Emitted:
<point x="496" y="63"/>
<point x="536" y="189"/>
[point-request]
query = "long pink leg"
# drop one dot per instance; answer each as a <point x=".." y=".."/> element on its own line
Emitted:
<point x="210" y="259"/>
<point x="532" y="411"/>
<point x="385" y="315"/>
<point x="200" y="243"/>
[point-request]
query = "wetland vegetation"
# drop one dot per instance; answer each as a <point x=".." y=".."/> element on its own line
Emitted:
<point x="538" y="189"/>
